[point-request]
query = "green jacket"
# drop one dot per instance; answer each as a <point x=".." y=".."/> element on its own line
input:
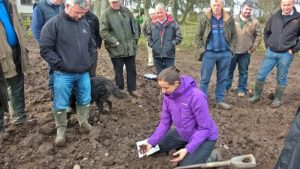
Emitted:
<point x="6" y="58"/>
<point x="204" y="29"/>
<point x="119" y="26"/>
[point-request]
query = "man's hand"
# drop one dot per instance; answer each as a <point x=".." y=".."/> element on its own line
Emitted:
<point x="144" y="148"/>
<point x="179" y="155"/>
<point x="290" y="52"/>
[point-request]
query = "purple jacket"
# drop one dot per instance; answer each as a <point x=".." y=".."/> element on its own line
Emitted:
<point x="187" y="108"/>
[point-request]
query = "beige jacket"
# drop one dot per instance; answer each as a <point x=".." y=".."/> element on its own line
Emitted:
<point x="6" y="58"/>
<point x="249" y="36"/>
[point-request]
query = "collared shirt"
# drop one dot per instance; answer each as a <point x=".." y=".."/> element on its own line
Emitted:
<point x="217" y="42"/>
<point x="11" y="35"/>
<point x="286" y="18"/>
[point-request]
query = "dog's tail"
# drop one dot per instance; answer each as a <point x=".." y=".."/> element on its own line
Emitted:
<point x="119" y="93"/>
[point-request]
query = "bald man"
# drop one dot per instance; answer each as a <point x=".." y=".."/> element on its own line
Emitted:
<point x="281" y="36"/>
<point x="216" y="39"/>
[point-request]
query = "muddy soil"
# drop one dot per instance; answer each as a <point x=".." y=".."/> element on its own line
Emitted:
<point x="247" y="128"/>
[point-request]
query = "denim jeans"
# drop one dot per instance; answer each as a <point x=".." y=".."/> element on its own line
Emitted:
<point x="162" y="63"/>
<point x="63" y="85"/>
<point x="243" y="61"/>
<point x="281" y="60"/>
<point x="173" y="141"/>
<point x="118" y="64"/>
<point x="222" y="62"/>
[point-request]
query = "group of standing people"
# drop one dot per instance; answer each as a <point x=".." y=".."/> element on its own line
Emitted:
<point x="226" y="42"/>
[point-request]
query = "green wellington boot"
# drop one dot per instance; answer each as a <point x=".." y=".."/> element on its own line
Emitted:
<point x="259" y="86"/>
<point x="278" y="96"/>
<point x="61" y="126"/>
<point x="83" y="116"/>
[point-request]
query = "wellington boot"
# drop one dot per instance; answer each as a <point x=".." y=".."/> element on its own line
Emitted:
<point x="83" y="116"/>
<point x="278" y="97"/>
<point x="61" y="126"/>
<point x="259" y="86"/>
<point x="60" y="139"/>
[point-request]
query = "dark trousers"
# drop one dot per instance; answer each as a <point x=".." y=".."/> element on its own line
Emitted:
<point x="118" y="64"/>
<point x="16" y="90"/>
<point x="173" y="141"/>
<point x="94" y="68"/>
<point x="162" y="63"/>
<point x="3" y="99"/>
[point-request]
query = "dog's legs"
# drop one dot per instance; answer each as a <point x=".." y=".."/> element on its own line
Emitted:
<point x="100" y="109"/>
<point x="109" y="104"/>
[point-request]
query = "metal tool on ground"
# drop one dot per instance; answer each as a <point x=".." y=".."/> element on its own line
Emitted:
<point x="243" y="161"/>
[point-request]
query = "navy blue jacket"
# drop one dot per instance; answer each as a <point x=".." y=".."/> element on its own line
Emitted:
<point x="163" y="38"/>
<point x="94" y="27"/>
<point x="43" y="11"/>
<point x="67" y="45"/>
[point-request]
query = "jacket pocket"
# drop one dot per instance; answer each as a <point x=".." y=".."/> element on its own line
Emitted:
<point x="117" y="50"/>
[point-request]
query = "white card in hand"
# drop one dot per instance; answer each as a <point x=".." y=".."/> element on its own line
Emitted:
<point x="151" y="151"/>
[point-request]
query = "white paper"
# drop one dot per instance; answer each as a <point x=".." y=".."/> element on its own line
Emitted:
<point x="151" y="151"/>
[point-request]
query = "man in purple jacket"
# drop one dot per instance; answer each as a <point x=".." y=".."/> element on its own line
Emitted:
<point x="195" y="132"/>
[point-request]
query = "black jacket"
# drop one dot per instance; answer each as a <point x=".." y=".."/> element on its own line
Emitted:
<point x="94" y="27"/>
<point x="290" y="154"/>
<point x="67" y="45"/>
<point x="280" y="37"/>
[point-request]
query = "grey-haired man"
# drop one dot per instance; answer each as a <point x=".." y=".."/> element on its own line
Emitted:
<point x="67" y="45"/>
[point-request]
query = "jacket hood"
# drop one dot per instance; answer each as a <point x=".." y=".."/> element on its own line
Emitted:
<point x="186" y="83"/>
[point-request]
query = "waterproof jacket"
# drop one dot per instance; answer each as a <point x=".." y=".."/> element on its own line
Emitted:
<point x="67" y="45"/>
<point x="187" y="108"/>
<point x="163" y="39"/>
<point x="204" y="31"/>
<point x="6" y="56"/>
<point x="249" y="36"/>
<point x="43" y="11"/>
<point x="280" y="37"/>
<point x="290" y="154"/>
<point x="119" y="26"/>
<point x="93" y="21"/>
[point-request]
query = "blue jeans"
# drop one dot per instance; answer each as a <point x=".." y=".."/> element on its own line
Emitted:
<point x="162" y="63"/>
<point x="200" y="155"/>
<point x="243" y="61"/>
<point x="222" y="62"/>
<point x="281" y="60"/>
<point x="63" y="85"/>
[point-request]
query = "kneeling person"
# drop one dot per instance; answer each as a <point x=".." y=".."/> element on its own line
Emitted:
<point x="195" y="132"/>
<point x="67" y="45"/>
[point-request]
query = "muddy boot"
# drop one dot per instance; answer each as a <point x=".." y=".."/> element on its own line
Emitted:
<point x="259" y="86"/>
<point x="83" y="116"/>
<point x="61" y="126"/>
<point x="278" y="96"/>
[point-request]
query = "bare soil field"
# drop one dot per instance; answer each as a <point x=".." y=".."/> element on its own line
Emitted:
<point x="247" y="128"/>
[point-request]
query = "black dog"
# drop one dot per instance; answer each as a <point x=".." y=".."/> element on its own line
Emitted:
<point x="101" y="89"/>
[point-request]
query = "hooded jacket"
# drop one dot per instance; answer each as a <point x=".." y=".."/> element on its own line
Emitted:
<point x="163" y="40"/>
<point x="187" y="108"/>
<point x="280" y="37"/>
